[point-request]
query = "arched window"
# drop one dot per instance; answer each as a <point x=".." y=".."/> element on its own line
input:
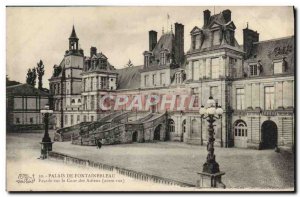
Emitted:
<point x="171" y="125"/>
<point x="73" y="101"/>
<point x="240" y="129"/>
<point x="79" y="100"/>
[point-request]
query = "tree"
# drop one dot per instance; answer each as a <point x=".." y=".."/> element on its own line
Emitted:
<point x="129" y="64"/>
<point x="40" y="72"/>
<point x="31" y="77"/>
<point x="28" y="77"/>
<point x="33" y="72"/>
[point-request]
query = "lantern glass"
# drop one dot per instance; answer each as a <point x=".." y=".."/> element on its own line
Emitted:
<point x="202" y="110"/>
<point x="211" y="102"/>
<point x="219" y="111"/>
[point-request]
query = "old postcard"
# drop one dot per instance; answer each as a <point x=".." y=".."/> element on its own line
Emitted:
<point x="150" y="98"/>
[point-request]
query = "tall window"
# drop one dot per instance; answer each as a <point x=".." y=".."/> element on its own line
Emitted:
<point x="197" y="42"/>
<point x="92" y="82"/>
<point x="146" y="80"/>
<point x="85" y="102"/>
<point x="66" y="119"/>
<point x="215" y="68"/>
<point x="195" y="67"/>
<point x="162" y="78"/>
<point x="201" y="69"/>
<point x="269" y="98"/>
<point x="72" y="120"/>
<point x="193" y="42"/>
<point x="240" y="98"/>
<point x="253" y="70"/>
<point x="146" y="61"/>
<point x="195" y="126"/>
<point x="214" y="92"/>
<point x="104" y="83"/>
<point x="278" y="68"/>
<point x="163" y="58"/>
<point x="171" y="125"/>
<point x="240" y="129"/>
<point x="216" y="37"/>
<point x="92" y="102"/>
<point x="78" y="118"/>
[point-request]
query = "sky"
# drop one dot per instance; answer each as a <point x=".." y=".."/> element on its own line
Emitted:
<point x="121" y="33"/>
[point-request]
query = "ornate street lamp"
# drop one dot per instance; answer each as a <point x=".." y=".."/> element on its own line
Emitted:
<point x="46" y="144"/>
<point x="211" y="169"/>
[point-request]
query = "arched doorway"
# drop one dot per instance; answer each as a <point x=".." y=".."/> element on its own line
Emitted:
<point x="157" y="133"/>
<point x="134" y="136"/>
<point x="240" y="134"/>
<point x="171" y="129"/>
<point x="268" y="134"/>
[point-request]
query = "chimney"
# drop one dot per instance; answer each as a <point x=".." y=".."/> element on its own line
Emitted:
<point x="227" y="15"/>
<point x="93" y="51"/>
<point x="206" y="14"/>
<point x="179" y="43"/>
<point x="152" y="39"/>
<point x="249" y="37"/>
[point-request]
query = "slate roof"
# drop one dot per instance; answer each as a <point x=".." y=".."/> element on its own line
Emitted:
<point x="129" y="78"/>
<point x="277" y="49"/>
<point x="24" y="90"/>
<point x="165" y="42"/>
<point x="73" y="33"/>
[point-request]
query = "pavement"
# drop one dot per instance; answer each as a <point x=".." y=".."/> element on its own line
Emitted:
<point x="22" y="152"/>
<point x="244" y="168"/>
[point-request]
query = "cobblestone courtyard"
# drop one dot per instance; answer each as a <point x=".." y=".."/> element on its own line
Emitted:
<point x="245" y="168"/>
<point x="23" y="151"/>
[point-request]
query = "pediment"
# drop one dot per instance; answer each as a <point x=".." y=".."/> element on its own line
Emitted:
<point x="215" y="25"/>
<point x="196" y="30"/>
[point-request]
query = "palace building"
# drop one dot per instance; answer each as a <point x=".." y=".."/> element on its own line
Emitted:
<point x="253" y="82"/>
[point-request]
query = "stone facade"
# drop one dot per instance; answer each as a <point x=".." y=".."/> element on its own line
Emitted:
<point x="254" y="84"/>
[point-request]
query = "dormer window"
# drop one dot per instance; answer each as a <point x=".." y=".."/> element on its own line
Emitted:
<point x="146" y="61"/>
<point x="163" y="58"/>
<point x="193" y="42"/>
<point x="279" y="66"/>
<point x="178" y="78"/>
<point x="216" y="37"/>
<point x="253" y="70"/>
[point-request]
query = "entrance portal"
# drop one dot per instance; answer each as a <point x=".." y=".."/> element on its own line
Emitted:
<point x="269" y="134"/>
<point x="134" y="136"/>
<point x="157" y="133"/>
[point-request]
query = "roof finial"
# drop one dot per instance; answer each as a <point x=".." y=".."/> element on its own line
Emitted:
<point x="163" y="30"/>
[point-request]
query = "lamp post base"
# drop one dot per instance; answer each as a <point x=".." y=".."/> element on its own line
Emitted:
<point x="45" y="148"/>
<point x="208" y="180"/>
<point x="211" y="167"/>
